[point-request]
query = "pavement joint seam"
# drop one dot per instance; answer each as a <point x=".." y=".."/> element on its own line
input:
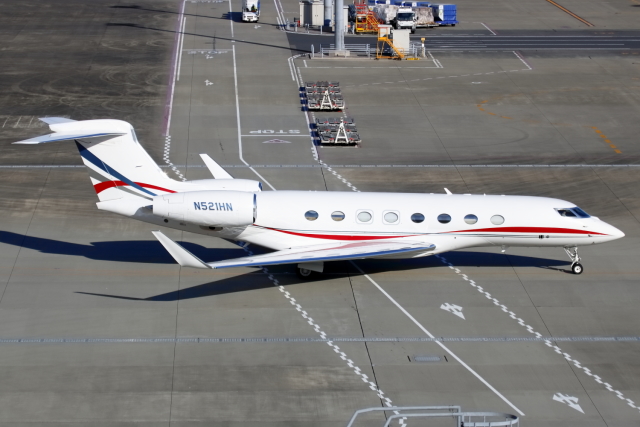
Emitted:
<point x="441" y="77"/>
<point x="364" y="377"/>
<point x="529" y="329"/>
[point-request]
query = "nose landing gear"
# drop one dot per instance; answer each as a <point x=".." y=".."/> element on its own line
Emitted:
<point x="576" y="267"/>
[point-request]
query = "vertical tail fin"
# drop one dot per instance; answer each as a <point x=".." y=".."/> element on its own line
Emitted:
<point x="118" y="165"/>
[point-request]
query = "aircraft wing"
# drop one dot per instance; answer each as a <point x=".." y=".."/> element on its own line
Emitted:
<point x="316" y="253"/>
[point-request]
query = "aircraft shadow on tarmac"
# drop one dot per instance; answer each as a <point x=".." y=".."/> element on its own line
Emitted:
<point x="152" y="252"/>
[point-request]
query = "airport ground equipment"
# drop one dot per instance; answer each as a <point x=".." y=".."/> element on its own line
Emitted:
<point x="337" y="130"/>
<point x="250" y="10"/>
<point x="324" y="95"/>
<point x="405" y="19"/>
<point x="459" y="418"/>
<point x="395" y="45"/>
<point x="445" y="14"/>
<point x="366" y="20"/>
<point x="424" y="17"/>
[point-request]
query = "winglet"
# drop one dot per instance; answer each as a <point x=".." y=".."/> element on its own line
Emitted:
<point x="215" y="169"/>
<point x="447" y="190"/>
<point x="180" y="254"/>
<point x="55" y="120"/>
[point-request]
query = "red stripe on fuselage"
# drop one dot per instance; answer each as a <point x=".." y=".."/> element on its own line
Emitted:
<point x="338" y="236"/>
<point x="101" y="186"/>
<point x="532" y="230"/>
<point x="529" y="230"/>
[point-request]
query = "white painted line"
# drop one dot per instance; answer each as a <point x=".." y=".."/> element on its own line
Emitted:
<point x="18" y="122"/>
<point x="547" y="342"/>
<point x="231" y="19"/>
<point x="5" y="121"/>
<point x="522" y="59"/>
<point x="173" y="81"/>
<point x="305" y="63"/>
<point x="235" y="81"/>
<point x="490" y="30"/>
<point x="184" y="24"/>
<point x="290" y="62"/>
<point x="445" y="348"/>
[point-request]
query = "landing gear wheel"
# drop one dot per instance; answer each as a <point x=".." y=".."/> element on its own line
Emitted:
<point x="304" y="274"/>
<point x="577" y="268"/>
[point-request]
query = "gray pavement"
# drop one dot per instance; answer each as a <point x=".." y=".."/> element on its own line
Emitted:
<point x="69" y="271"/>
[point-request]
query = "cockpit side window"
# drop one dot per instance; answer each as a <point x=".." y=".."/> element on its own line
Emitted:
<point x="573" y="213"/>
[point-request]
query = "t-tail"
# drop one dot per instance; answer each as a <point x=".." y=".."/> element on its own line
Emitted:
<point x="120" y="168"/>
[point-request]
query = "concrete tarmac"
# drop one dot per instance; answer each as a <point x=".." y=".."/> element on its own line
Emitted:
<point x="132" y="318"/>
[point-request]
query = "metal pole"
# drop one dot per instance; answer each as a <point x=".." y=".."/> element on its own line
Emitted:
<point x="327" y="12"/>
<point x="339" y="10"/>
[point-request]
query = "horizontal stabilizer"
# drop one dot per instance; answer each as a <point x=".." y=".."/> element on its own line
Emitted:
<point x="55" y="120"/>
<point x="215" y="169"/>
<point x="55" y="137"/>
<point x="180" y="254"/>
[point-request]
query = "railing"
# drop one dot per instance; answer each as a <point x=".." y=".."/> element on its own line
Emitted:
<point x="327" y="49"/>
<point x="466" y="419"/>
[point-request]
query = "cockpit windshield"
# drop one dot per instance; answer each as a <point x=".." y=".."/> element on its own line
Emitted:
<point x="573" y="213"/>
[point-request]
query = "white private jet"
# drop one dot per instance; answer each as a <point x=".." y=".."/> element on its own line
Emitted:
<point x="309" y="228"/>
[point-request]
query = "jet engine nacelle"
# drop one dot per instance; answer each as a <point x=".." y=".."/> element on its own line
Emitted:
<point x="208" y="208"/>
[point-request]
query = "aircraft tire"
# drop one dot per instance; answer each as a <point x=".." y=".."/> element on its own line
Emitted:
<point x="577" y="268"/>
<point x="305" y="274"/>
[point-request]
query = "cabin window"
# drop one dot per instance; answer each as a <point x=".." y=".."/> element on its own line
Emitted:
<point x="417" y="218"/>
<point x="470" y="219"/>
<point x="444" y="218"/>
<point x="311" y="215"/>
<point x="497" y="219"/>
<point x="337" y="216"/>
<point x="391" y="217"/>
<point x="364" y="217"/>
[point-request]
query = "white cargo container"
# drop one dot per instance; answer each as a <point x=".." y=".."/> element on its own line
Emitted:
<point x="424" y="17"/>
<point x="386" y="12"/>
<point x="250" y="10"/>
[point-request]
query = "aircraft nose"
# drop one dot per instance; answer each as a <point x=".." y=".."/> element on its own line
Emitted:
<point x="614" y="232"/>
<point x="618" y="233"/>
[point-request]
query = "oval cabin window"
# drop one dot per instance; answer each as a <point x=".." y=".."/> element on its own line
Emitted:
<point x="364" y="217"/>
<point x="470" y="219"/>
<point x="417" y="218"/>
<point x="391" y="217"/>
<point x="497" y="219"/>
<point x="337" y="216"/>
<point x="444" y="218"/>
<point x="311" y="215"/>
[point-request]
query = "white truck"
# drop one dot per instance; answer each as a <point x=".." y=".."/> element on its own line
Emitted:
<point x="405" y="19"/>
<point x="250" y="10"/>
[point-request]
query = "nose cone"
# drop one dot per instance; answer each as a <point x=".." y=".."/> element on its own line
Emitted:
<point x="611" y="232"/>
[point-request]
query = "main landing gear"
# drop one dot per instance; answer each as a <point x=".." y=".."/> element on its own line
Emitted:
<point x="576" y="267"/>
<point x="309" y="270"/>
<point x="304" y="274"/>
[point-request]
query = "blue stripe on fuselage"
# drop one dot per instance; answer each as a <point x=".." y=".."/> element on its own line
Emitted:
<point x="108" y="169"/>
